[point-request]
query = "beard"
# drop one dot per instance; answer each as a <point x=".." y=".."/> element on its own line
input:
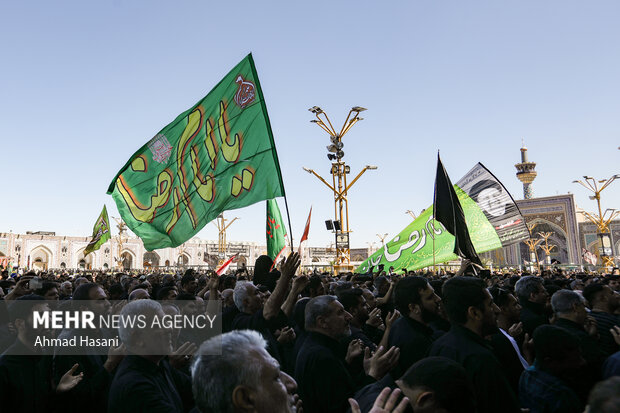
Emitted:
<point x="428" y="316"/>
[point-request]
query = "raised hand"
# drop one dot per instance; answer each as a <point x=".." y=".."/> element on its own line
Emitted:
<point x="115" y="356"/>
<point x="290" y="264"/>
<point x="299" y="283"/>
<point x="182" y="356"/>
<point x="516" y="330"/>
<point x="287" y="335"/>
<point x="385" y="402"/>
<point x="381" y="362"/>
<point x="391" y="317"/>
<point x="355" y="349"/>
<point x="374" y="318"/>
<point x="68" y="380"/>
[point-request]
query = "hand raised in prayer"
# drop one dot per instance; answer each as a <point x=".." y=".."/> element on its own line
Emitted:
<point x="68" y="380"/>
<point x="385" y="402"/>
<point x="287" y="335"/>
<point x="374" y="318"/>
<point x="299" y="283"/>
<point x="115" y="356"/>
<point x="391" y="317"/>
<point x="290" y="264"/>
<point x="355" y="349"/>
<point x="516" y="330"/>
<point x="381" y="362"/>
<point x="528" y="349"/>
<point x="183" y="355"/>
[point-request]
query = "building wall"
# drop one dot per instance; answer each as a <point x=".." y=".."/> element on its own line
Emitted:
<point x="55" y="250"/>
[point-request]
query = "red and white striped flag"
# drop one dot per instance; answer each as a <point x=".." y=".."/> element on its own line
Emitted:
<point x="225" y="266"/>
<point x="304" y="237"/>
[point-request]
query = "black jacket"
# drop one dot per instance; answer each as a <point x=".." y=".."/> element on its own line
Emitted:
<point x="324" y="380"/>
<point x="26" y="381"/>
<point x="413" y="338"/>
<point x="143" y="386"/>
<point x="493" y="392"/>
<point x="532" y="316"/>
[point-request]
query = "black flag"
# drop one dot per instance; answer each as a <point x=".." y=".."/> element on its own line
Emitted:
<point x="448" y="210"/>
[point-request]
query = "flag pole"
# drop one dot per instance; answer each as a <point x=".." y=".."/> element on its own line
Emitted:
<point x="288" y="216"/>
<point x="434" y="202"/>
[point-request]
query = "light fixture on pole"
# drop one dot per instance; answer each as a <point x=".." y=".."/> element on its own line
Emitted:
<point x="602" y="219"/>
<point x="339" y="186"/>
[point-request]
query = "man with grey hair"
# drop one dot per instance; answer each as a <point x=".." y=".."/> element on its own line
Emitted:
<point x="144" y="380"/>
<point x="250" y="313"/>
<point x="324" y="376"/>
<point x="234" y="373"/>
<point x="533" y="298"/>
<point x="570" y="312"/>
<point x="66" y="289"/>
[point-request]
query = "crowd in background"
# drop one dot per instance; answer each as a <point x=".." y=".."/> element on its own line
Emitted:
<point x="383" y="341"/>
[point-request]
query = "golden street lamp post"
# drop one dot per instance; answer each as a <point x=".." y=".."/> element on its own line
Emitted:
<point x="221" y="240"/>
<point x="602" y="219"/>
<point x="532" y="244"/>
<point x="546" y="248"/>
<point x="122" y="227"/>
<point x="339" y="186"/>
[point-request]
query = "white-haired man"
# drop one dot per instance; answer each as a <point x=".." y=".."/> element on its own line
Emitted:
<point x="234" y="373"/>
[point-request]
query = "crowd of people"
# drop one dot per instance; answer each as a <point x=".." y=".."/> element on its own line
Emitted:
<point x="374" y="342"/>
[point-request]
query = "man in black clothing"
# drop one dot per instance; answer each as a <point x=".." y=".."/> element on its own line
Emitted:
<point x="432" y="385"/>
<point x="471" y="310"/>
<point x="543" y="387"/>
<point x="362" y="326"/>
<point x="325" y="375"/>
<point x="26" y="383"/>
<point x="252" y="314"/>
<point x="144" y="380"/>
<point x="570" y="312"/>
<point x="417" y="302"/>
<point x="604" y="302"/>
<point x="92" y="392"/>
<point x="506" y="341"/>
<point x="533" y="298"/>
<point x="189" y="284"/>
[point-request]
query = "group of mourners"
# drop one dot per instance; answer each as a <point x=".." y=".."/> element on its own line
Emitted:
<point x="322" y="343"/>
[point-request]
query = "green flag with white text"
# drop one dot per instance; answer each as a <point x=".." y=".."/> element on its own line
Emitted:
<point x="101" y="232"/>
<point x="493" y="220"/>
<point x="216" y="156"/>
<point x="276" y="231"/>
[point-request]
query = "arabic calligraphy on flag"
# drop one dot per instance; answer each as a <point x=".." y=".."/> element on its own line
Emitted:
<point x="492" y="217"/>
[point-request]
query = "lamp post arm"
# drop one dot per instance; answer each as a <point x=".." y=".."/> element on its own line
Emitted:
<point x="230" y="223"/>
<point x="355" y="179"/>
<point x="320" y="179"/>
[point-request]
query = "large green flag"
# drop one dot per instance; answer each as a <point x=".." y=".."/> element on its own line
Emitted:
<point x="217" y="156"/>
<point x="493" y="220"/>
<point x="101" y="232"/>
<point x="276" y="231"/>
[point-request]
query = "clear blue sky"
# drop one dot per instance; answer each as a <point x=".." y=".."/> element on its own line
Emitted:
<point x="84" y="84"/>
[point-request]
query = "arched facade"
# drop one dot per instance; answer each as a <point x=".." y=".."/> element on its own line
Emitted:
<point x="41" y="257"/>
<point x="150" y="259"/>
<point x="128" y="258"/>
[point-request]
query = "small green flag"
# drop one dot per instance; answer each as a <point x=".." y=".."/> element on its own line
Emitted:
<point x="101" y="233"/>
<point x="217" y="156"/>
<point x="276" y="231"/>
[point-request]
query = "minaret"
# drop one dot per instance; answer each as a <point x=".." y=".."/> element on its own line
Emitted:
<point x="526" y="172"/>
